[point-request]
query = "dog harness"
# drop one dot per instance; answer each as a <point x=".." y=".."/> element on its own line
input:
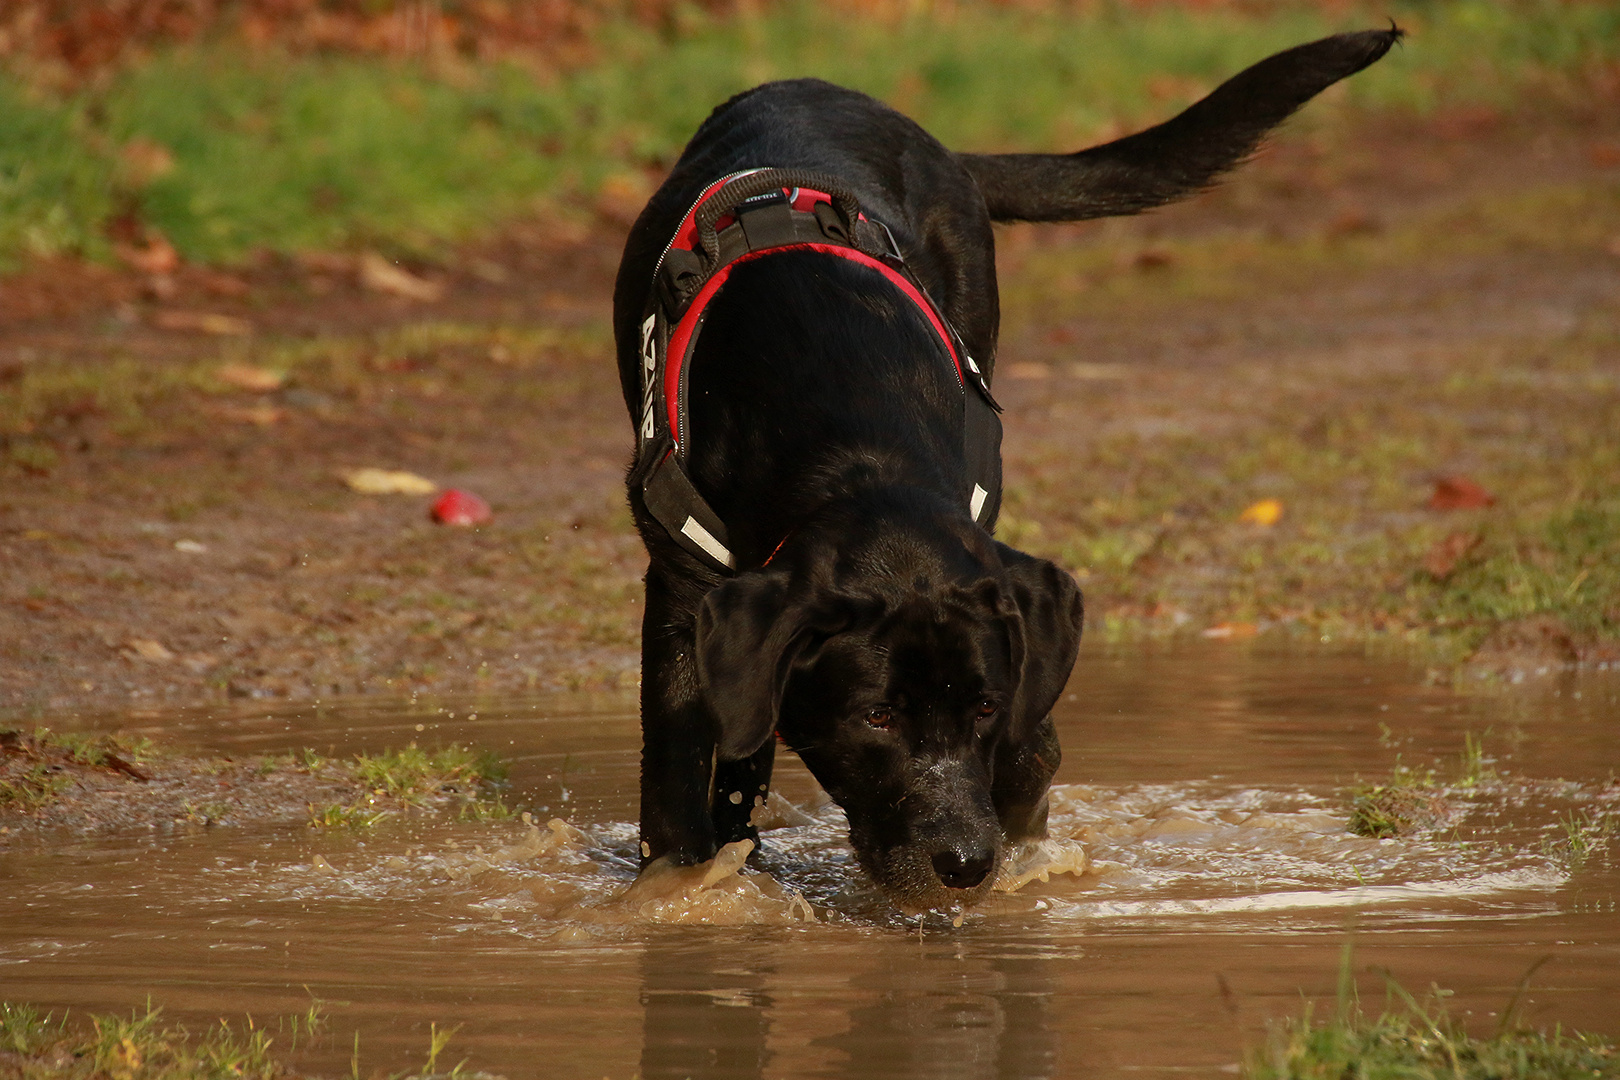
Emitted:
<point x="739" y="218"/>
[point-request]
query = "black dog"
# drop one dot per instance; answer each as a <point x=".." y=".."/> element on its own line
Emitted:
<point x="818" y="472"/>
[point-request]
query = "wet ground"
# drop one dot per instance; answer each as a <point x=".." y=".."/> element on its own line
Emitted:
<point x="1367" y="307"/>
<point x="1199" y="823"/>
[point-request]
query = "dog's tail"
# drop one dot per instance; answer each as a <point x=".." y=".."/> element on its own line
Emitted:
<point x="1181" y="156"/>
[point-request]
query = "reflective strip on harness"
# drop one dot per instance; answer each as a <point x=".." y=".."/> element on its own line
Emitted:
<point x="704" y="539"/>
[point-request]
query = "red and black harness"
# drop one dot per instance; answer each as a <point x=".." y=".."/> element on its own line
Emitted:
<point x="739" y="218"/>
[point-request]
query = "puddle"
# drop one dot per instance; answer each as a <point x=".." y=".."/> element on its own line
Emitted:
<point x="1198" y="880"/>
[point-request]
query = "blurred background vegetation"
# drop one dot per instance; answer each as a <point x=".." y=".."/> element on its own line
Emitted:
<point x="402" y="125"/>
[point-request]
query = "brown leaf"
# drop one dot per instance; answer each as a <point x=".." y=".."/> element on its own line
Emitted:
<point x="1028" y="369"/>
<point x="380" y="275"/>
<point x="1232" y="631"/>
<point x="153" y="652"/>
<point x="1443" y="557"/>
<point x="1459" y="493"/>
<point x="204" y="322"/>
<point x="1154" y="259"/>
<point x="155" y="256"/>
<point x="145" y="161"/>
<point x="260" y="380"/>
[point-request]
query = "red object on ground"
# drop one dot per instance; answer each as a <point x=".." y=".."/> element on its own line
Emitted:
<point x="457" y="507"/>
<point x="1459" y="493"/>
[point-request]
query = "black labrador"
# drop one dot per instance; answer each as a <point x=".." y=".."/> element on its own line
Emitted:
<point x="835" y="583"/>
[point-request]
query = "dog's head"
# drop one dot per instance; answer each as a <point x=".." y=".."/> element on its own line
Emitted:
<point x="903" y="668"/>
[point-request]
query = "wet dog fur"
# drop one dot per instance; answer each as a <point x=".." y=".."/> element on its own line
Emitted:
<point x="910" y="659"/>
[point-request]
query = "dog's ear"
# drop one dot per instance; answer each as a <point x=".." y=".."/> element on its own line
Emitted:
<point x="1051" y="611"/>
<point x="750" y="633"/>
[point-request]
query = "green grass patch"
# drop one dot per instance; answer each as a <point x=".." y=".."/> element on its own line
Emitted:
<point x="1581" y="834"/>
<point x="344" y="816"/>
<point x="228" y="151"/>
<point x="145" y="1046"/>
<point x="38" y="767"/>
<point x="1407" y="802"/>
<point x="32" y="787"/>
<point x="413" y="774"/>
<point x="1414" y="1039"/>
<point x="468" y="780"/>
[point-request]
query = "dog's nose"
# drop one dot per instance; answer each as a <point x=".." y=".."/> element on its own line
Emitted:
<point x="959" y="873"/>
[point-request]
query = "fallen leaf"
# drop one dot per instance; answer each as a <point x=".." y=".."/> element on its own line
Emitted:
<point x="1443" y="557"/>
<point x="1352" y="221"/>
<point x="263" y="415"/>
<point x="1232" y="631"/>
<point x="1604" y="155"/>
<point x="457" y="507"/>
<point x="152" y="652"/>
<point x="327" y="262"/>
<point x="145" y="161"/>
<point x="387" y="482"/>
<point x="227" y="285"/>
<point x="260" y="380"/>
<point x="1265" y="513"/>
<point x="206" y="322"/>
<point x="1026" y="369"/>
<point x="1459" y="493"/>
<point x="154" y="256"/>
<point x="1097" y="372"/>
<point x="199" y="662"/>
<point x="380" y="275"/>
<point x="1154" y="259"/>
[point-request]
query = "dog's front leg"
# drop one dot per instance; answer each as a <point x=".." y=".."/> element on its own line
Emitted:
<point x="1023" y="773"/>
<point x="737" y="784"/>
<point x="677" y="735"/>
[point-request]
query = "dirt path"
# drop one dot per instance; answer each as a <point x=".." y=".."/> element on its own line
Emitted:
<point x="170" y="536"/>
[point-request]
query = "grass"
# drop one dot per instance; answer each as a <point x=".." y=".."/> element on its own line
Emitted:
<point x="228" y="151"/>
<point x="144" y="1046"/>
<point x="1419" y="1040"/>
<point x="413" y="775"/>
<point x="468" y="779"/>
<point x="1408" y="801"/>
<point x="36" y="768"/>
<point x="35" y="786"/>
<point x="1414" y="799"/>
<point x="1580" y="835"/>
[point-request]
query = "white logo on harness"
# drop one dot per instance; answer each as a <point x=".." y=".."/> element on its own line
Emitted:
<point x="649" y="365"/>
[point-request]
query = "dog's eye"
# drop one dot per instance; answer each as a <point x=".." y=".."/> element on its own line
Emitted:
<point x="985" y="711"/>
<point x="880" y="717"/>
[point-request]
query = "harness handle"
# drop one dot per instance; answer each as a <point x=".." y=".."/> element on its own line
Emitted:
<point x="746" y="187"/>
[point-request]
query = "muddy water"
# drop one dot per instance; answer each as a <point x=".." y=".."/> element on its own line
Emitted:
<point x="1199" y="881"/>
